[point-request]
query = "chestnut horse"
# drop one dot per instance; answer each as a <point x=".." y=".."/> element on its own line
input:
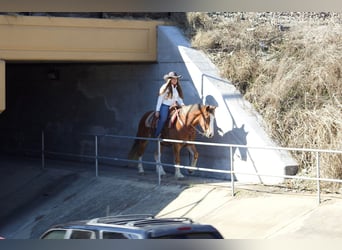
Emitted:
<point x="181" y="125"/>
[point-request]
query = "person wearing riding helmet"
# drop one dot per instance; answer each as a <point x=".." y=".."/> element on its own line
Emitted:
<point x="170" y="94"/>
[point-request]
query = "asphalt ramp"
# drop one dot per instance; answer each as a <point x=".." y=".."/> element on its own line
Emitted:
<point x="33" y="199"/>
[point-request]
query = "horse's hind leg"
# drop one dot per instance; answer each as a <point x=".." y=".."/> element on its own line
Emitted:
<point x="140" y="152"/>
<point x="176" y="154"/>
<point x="194" y="156"/>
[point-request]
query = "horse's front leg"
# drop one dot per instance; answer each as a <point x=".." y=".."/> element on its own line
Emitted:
<point x="176" y="154"/>
<point x="140" y="166"/>
<point x="159" y="166"/>
<point x="194" y="156"/>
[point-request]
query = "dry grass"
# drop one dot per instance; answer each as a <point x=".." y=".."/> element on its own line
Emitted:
<point x="290" y="67"/>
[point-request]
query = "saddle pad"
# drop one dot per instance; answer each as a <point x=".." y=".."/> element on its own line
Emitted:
<point x="151" y="121"/>
<point x="173" y="117"/>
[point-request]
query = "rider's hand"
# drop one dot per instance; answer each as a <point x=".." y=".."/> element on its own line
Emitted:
<point x="156" y="114"/>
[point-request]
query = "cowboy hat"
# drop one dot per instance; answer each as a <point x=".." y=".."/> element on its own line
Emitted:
<point x="171" y="74"/>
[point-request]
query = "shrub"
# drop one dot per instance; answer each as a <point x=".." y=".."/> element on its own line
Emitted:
<point x="288" y="65"/>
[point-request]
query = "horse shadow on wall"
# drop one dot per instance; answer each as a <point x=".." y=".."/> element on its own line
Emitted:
<point x="236" y="136"/>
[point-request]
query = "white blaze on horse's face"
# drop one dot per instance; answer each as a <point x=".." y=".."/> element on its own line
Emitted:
<point x="207" y="122"/>
<point x="210" y="131"/>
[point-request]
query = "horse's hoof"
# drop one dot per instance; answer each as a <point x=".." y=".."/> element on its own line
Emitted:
<point x="141" y="173"/>
<point x="162" y="172"/>
<point x="179" y="177"/>
<point x="190" y="171"/>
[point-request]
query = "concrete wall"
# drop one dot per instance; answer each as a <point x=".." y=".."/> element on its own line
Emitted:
<point x="70" y="100"/>
<point x="237" y="121"/>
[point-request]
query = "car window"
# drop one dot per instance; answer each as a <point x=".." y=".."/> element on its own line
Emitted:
<point x="113" y="235"/>
<point x="55" y="234"/>
<point x="119" y="235"/>
<point x="82" y="234"/>
<point x="189" y="236"/>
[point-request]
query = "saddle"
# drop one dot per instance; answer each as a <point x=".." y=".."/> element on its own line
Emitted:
<point x="151" y="121"/>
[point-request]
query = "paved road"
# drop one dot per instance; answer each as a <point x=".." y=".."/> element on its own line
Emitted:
<point x="33" y="199"/>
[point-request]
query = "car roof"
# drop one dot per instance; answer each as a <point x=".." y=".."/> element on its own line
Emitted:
<point x="142" y="223"/>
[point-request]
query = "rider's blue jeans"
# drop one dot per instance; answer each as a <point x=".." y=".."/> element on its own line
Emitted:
<point x="163" y="114"/>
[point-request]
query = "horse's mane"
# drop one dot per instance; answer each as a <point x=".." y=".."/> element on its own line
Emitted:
<point x="189" y="107"/>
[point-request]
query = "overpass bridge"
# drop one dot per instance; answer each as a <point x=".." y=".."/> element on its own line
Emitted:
<point x="99" y="76"/>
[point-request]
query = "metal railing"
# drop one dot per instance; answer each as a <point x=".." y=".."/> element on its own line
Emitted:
<point x="96" y="157"/>
<point x="203" y="76"/>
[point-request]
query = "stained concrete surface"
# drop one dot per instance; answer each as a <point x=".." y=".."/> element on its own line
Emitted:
<point x="32" y="199"/>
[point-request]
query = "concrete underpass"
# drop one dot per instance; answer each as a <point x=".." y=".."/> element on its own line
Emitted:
<point x="70" y="102"/>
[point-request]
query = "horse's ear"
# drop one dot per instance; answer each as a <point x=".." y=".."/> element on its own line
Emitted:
<point x="211" y="108"/>
<point x="243" y="128"/>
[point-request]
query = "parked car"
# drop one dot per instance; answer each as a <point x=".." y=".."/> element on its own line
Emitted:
<point x="137" y="226"/>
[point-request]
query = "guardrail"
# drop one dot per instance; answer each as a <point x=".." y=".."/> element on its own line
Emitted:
<point x="96" y="157"/>
<point x="204" y="75"/>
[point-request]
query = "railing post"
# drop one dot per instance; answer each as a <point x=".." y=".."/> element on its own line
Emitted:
<point x="232" y="170"/>
<point x="318" y="177"/>
<point x="158" y="161"/>
<point x="43" y="150"/>
<point x="96" y="158"/>
<point x="202" y="91"/>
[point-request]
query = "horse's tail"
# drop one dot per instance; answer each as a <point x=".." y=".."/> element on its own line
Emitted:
<point x="139" y="145"/>
<point x="133" y="153"/>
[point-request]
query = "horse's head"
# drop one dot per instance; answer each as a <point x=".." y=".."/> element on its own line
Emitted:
<point x="207" y="119"/>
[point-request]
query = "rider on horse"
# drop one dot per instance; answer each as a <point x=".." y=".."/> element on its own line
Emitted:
<point x="170" y="94"/>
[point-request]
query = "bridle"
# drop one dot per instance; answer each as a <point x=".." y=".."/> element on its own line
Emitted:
<point x="182" y="123"/>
